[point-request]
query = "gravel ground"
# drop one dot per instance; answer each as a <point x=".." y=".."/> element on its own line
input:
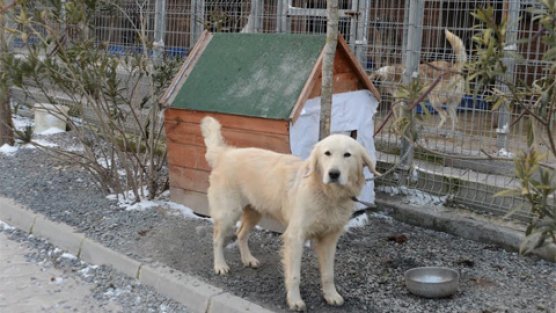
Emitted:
<point x="369" y="263"/>
<point x="108" y="286"/>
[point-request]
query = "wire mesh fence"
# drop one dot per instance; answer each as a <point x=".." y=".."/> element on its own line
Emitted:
<point x="468" y="162"/>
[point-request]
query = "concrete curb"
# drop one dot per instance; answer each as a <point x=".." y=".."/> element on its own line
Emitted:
<point x="465" y="226"/>
<point x="197" y="296"/>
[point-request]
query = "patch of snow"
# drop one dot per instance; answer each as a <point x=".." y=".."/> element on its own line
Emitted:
<point x="380" y="216"/>
<point x="356" y="222"/>
<point x="85" y="271"/>
<point x="231" y="245"/>
<point x="185" y="211"/>
<point x="127" y="198"/>
<point x="51" y="131"/>
<point x="505" y="153"/>
<point x="114" y="292"/>
<point x="21" y="122"/>
<point x="308" y="243"/>
<point x="75" y="148"/>
<point x="414" y="196"/>
<point x="8" y="150"/>
<point x="104" y="162"/>
<point x="6" y="226"/>
<point x="142" y="205"/>
<point x="56" y="280"/>
<point x="41" y="142"/>
<point x="127" y="204"/>
<point x="68" y="256"/>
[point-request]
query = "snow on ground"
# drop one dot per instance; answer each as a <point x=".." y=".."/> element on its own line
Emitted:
<point x="42" y="142"/>
<point x="51" y="131"/>
<point x="414" y="196"/>
<point x="6" y="226"/>
<point x="107" y="164"/>
<point x="127" y="202"/>
<point x="358" y="221"/>
<point x="86" y="271"/>
<point x="56" y="280"/>
<point x="21" y="122"/>
<point x="185" y="211"/>
<point x="505" y="153"/>
<point x="8" y="150"/>
<point x="68" y="256"/>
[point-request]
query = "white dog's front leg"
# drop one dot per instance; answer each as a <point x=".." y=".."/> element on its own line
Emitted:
<point x="293" y="249"/>
<point x="326" y="250"/>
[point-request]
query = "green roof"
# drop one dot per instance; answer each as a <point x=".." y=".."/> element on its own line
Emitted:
<point x="258" y="75"/>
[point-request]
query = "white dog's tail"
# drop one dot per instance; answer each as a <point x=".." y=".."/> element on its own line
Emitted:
<point x="459" y="49"/>
<point x="214" y="141"/>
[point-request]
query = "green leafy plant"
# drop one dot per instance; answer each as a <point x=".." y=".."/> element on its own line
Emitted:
<point x="114" y="99"/>
<point x="537" y="102"/>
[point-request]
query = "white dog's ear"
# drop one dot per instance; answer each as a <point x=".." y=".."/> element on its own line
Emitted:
<point x="368" y="162"/>
<point x="312" y="162"/>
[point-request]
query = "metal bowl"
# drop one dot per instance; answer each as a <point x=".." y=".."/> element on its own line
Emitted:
<point x="432" y="282"/>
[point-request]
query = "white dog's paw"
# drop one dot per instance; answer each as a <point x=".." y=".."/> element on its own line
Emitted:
<point x="333" y="298"/>
<point x="297" y="305"/>
<point x="251" y="262"/>
<point x="221" y="269"/>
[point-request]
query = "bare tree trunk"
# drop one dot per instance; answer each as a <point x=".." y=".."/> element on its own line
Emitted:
<point x="328" y="68"/>
<point x="6" y="126"/>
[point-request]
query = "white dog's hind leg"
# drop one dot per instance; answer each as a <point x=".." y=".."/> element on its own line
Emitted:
<point x="224" y="220"/>
<point x="293" y="249"/>
<point x="221" y="227"/>
<point x="249" y="219"/>
<point x="325" y="248"/>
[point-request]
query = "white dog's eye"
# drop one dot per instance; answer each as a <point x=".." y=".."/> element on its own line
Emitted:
<point x="327" y="153"/>
<point x="347" y="155"/>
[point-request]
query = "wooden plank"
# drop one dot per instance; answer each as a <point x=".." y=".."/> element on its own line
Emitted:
<point x="359" y="71"/>
<point x="346" y="82"/>
<point x="343" y="82"/>
<point x="197" y="201"/>
<point x="188" y="178"/>
<point x="229" y="121"/>
<point x="190" y="134"/>
<point x="187" y="156"/>
<point x="341" y="63"/>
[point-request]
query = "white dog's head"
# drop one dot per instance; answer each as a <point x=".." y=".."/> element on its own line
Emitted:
<point x="339" y="159"/>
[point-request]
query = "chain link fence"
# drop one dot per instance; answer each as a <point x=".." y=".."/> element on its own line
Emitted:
<point x="465" y="165"/>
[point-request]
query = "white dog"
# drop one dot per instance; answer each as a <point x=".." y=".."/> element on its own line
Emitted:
<point x="312" y="199"/>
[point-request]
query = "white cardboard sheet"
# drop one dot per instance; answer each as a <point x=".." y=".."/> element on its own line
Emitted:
<point x="350" y="111"/>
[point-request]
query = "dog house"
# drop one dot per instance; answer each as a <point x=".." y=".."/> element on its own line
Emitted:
<point x="265" y="91"/>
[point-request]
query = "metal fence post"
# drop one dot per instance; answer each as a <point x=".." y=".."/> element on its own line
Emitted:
<point x="405" y="29"/>
<point x="159" y="29"/>
<point x="254" y="20"/>
<point x="282" y="16"/>
<point x="511" y="11"/>
<point x="411" y="64"/>
<point x="360" y="43"/>
<point x="197" y="20"/>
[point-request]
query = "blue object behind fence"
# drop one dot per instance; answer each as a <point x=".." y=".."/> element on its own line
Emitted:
<point x="468" y="103"/>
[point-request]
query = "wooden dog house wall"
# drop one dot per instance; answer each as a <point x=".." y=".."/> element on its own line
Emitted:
<point x="255" y="85"/>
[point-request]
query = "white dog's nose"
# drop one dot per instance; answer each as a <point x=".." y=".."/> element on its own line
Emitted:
<point x="334" y="175"/>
